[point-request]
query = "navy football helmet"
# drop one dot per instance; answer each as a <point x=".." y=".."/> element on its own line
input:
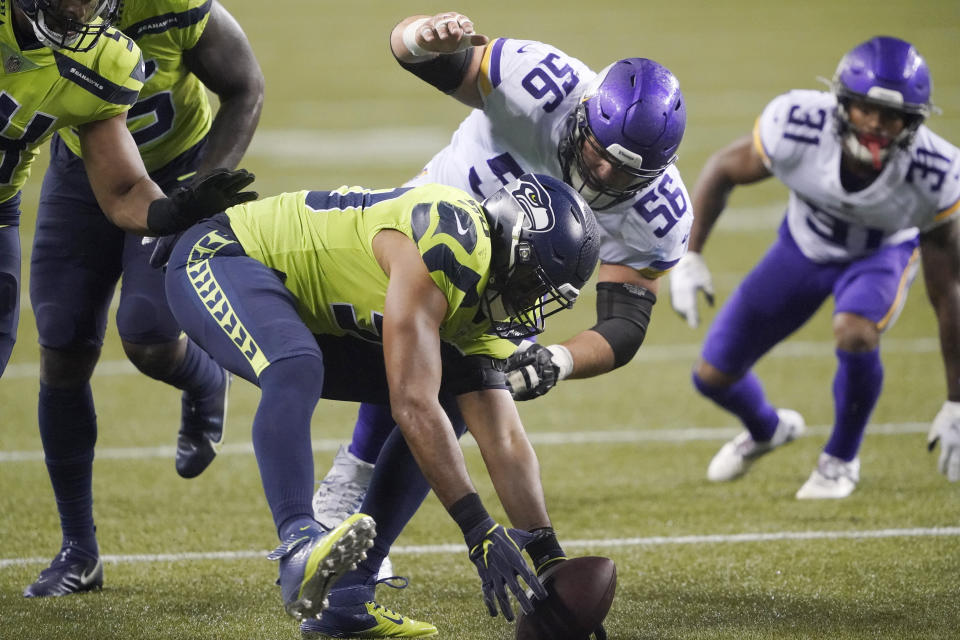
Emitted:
<point x="71" y="25"/>
<point x="633" y="116"/>
<point x="889" y="73"/>
<point x="545" y="245"/>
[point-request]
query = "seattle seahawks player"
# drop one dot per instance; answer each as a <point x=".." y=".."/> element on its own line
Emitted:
<point x="63" y="66"/>
<point x="871" y="190"/>
<point x="341" y="294"/>
<point x="612" y="135"/>
<point x="78" y="256"/>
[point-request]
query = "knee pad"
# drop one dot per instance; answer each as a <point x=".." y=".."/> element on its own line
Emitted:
<point x="154" y="360"/>
<point x="142" y="319"/>
<point x="61" y="369"/>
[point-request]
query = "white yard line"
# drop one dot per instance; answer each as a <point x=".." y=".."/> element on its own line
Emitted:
<point x="625" y="434"/>
<point x="608" y="543"/>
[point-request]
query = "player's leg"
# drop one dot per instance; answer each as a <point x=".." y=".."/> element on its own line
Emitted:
<point x="151" y="339"/>
<point x="343" y="488"/>
<point x="869" y="297"/>
<point x="74" y="268"/>
<point x="9" y="285"/>
<point x="779" y="295"/>
<point x="238" y="311"/>
<point x="397" y="489"/>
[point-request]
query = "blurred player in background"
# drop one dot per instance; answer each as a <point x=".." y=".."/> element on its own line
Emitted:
<point x="188" y="46"/>
<point x="871" y="190"/>
<point x="612" y="135"/>
<point x="400" y="296"/>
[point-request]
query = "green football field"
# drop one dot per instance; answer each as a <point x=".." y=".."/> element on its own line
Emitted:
<point x="623" y="456"/>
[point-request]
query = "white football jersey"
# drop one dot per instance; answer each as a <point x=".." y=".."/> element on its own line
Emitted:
<point x="918" y="188"/>
<point x="529" y="91"/>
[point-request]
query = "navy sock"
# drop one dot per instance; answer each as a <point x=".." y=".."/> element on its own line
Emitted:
<point x="374" y="424"/>
<point x="856" y="388"/>
<point x="197" y="374"/>
<point x="396" y="492"/>
<point x="68" y="430"/>
<point x="290" y="390"/>
<point x="746" y="400"/>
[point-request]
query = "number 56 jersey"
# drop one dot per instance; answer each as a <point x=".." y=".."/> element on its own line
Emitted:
<point x="918" y="188"/>
<point x="530" y="89"/>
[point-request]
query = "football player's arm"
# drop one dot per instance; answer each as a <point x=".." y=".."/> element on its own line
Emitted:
<point x="740" y="162"/>
<point x="940" y="254"/>
<point x="224" y="61"/>
<point x="119" y="180"/>
<point x="413" y="311"/>
<point x="442" y="50"/>
<point x="492" y="418"/>
<point x="132" y="201"/>
<point x="625" y="299"/>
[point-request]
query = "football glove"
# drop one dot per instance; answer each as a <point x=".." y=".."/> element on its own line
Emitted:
<point x="215" y="192"/>
<point x="686" y="279"/>
<point x="946" y="429"/>
<point x="495" y="551"/>
<point x="534" y="370"/>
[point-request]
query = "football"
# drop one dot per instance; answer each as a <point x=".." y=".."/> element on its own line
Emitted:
<point x="579" y="594"/>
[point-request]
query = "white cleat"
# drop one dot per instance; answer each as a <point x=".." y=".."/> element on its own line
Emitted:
<point x="735" y="457"/>
<point x="833" y="478"/>
<point x="341" y="493"/>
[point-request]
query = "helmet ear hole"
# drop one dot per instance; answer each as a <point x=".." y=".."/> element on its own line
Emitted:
<point x="545" y="244"/>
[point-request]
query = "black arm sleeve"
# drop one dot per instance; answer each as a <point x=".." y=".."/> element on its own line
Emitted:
<point x="623" y="314"/>
<point x="445" y="72"/>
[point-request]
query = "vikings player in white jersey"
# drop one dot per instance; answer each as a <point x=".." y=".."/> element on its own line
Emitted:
<point x="872" y="189"/>
<point x="612" y="135"/>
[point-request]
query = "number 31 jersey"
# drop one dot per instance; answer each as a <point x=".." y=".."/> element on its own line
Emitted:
<point x="529" y="91"/>
<point x="918" y="188"/>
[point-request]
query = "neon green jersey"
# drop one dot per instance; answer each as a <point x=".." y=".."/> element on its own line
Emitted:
<point x="173" y="112"/>
<point x="322" y="241"/>
<point x="42" y="90"/>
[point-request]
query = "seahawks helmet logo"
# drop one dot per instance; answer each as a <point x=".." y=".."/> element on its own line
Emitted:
<point x="535" y="202"/>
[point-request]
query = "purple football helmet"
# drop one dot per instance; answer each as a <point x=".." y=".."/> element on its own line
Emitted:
<point x="633" y="116"/>
<point x="545" y="244"/>
<point x="889" y="73"/>
<point x="73" y="28"/>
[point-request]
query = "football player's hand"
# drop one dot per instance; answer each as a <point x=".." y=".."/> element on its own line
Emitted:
<point x="946" y="429"/>
<point x="534" y="370"/>
<point x="495" y="551"/>
<point x="686" y="279"/>
<point x="218" y="190"/>
<point x="446" y="32"/>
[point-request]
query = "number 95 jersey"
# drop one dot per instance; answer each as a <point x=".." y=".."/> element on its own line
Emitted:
<point x="918" y="188"/>
<point x="529" y="90"/>
<point x="173" y="111"/>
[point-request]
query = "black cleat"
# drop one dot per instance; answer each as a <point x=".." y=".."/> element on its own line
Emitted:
<point x="201" y="430"/>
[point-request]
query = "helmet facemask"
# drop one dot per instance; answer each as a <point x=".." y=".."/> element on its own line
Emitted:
<point x="544" y="246"/>
<point x="76" y="29"/>
<point x="870" y="148"/>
